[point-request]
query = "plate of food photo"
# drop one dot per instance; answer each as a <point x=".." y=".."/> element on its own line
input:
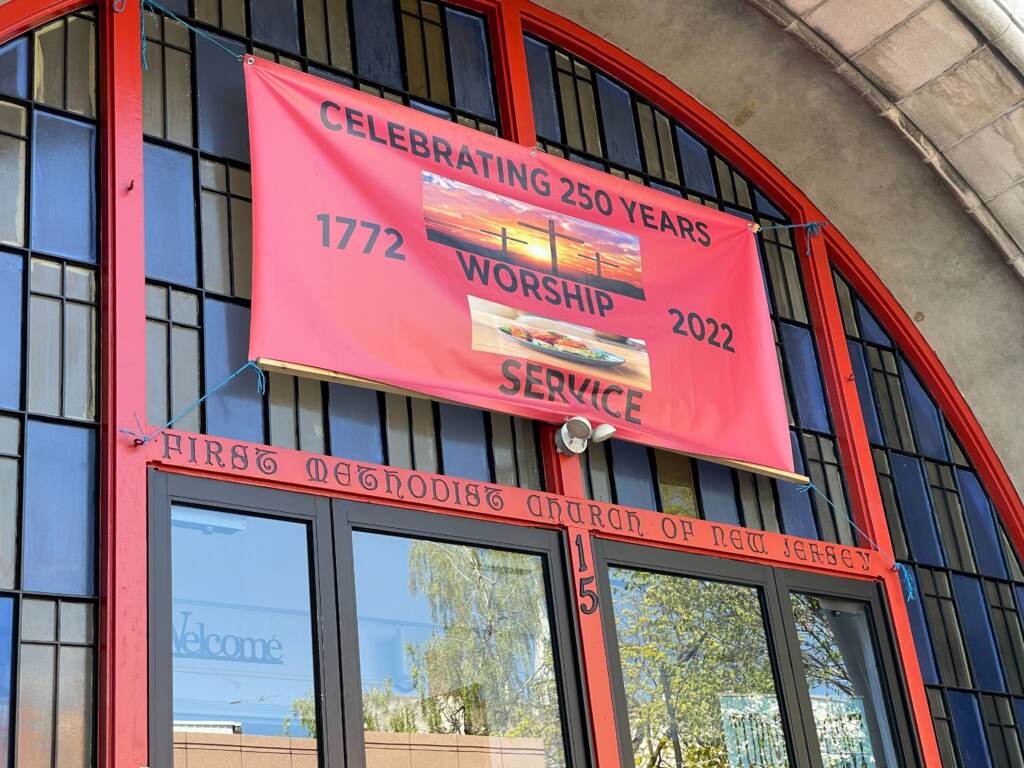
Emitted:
<point x="562" y="346"/>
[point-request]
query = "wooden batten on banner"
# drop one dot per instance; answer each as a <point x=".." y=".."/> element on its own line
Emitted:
<point x="294" y="369"/>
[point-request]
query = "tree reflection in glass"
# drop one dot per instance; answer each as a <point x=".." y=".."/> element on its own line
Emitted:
<point x="697" y="674"/>
<point x="845" y="684"/>
<point x="455" y="654"/>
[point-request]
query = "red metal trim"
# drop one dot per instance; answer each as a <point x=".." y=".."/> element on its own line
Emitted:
<point x="20" y="16"/>
<point x="123" y="685"/>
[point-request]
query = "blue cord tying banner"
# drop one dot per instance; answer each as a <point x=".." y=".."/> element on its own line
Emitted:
<point x="141" y="438"/>
<point x="905" y="579"/>
<point x="813" y="230"/>
<point x="153" y="6"/>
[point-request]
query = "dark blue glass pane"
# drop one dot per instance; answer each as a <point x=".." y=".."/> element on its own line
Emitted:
<point x="1018" y="707"/>
<point x="797" y="514"/>
<point x="14" y="79"/>
<point x="864" y="392"/>
<point x="170" y="216"/>
<point x="464" y="442"/>
<point x="717" y="496"/>
<point x="180" y="7"/>
<point x="631" y="472"/>
<point x="334" y="77"/>
<point x="930" y="436"/>
<point x="922" y="640"/>
<point x="6" y="674"/>
<point x="619" y="126"/>
<point x="354" y="419"/>
<point x="697" y="173"/>
<point x="471" y="63"/>
<point x="64" y="187"/>
<point x="738" y="212"/>
<point x="237" y="409"/>
<point x="11" y="283"/>
<point x="666" y="189"/>
<point x="223" y="124"/>
<point x="60" y="509"/>
<point x="916" y="509"/>
<point x="430" y="109"/>
<point x="586" y="161"/>
<point x="805" y="380"/>
<point x="276" y="23"/>
<point x="869" y="327"/>
<point x="970" y="734"/>
<point x="765" y="206"/>
<point x="982" y="525"/>
<point x="377" y="41"/>
<point x="977" y="627"/>
<point x="542" y="90"/>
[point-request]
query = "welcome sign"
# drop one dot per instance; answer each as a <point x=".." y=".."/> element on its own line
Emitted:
<point x="399" y="251"/>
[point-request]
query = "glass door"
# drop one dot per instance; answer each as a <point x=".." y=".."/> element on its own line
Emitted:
<point x="462" y="642"/>
<point x="721" y="664"/>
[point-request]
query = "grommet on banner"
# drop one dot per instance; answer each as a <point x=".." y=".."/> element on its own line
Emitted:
<point x="905" y="579"/>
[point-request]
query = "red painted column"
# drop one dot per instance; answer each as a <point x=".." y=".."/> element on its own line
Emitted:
<point x="595" y="656"/>
<point x="123" y="690"/>
<point x="859" y="468"/>
<point x="513" y="78"/>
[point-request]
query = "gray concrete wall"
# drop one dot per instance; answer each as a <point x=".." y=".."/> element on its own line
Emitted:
<point x="870" y="182"/>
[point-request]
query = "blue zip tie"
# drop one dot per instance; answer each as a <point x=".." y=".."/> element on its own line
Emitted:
<point x="141" y="438"/>
<point x="905" y="579"/>
<point x="153" y="5"/>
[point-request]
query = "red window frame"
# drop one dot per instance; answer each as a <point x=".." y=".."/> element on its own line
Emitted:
<point x="123" y="680"/>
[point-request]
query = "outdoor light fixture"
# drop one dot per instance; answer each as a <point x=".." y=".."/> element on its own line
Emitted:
<point x="572" y="438"/>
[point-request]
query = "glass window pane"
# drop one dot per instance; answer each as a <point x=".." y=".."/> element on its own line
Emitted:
<point x="242" y="625"/>
<point x="977" y="627"/>
<point x="156" y="372"/>
<point x="223" y="119"/>
<point x="8" y="524"/>
<point x="81" y="66"/>
<point x="178" y="66"/>
<point x="464" y="449"/>
<point x="60" y="518"/>
<point x="982" y="525"/>
<point x="14" y="82"/>
<point x="237" y="410"/>
<point x="39" y="620"/>
<point x="76" y="625"/>
<point x="631" y="473"/>
<point x="717" y="493"/>
<point x="64" y="187"/>
<point x="690" y="699"/>
<point x="49" y="64"/>
<point x="455" y="653"/>
<point x="185" y="376"/>
<point x="795" y="507"/>
<point x="930" y="434"/>
<point x="44" y="355"/>
<point x="619" y="127"/>
<point x="35" y="706"/>
<point x="11" y="285"/>
<point x="6" y="669"/>
<point x="867" y="400"/>
<point x="74" y="708"/>
<point x="970" y="733"/>
<point x="542" y="89"/>
<point x="276" y="23"/>
<point x="917" y="511"/>
<point x="676" y="484"/>
<point x="841" y="672"/>
<point x="804" y="377"/>
<point x="922" y="639"/>
<point x="377" y="41"/>
<point x="870" y="329"/>
<point x="170" y="216"/>
<point x="354" y="420"/>
<point x="697" y="173"/>
<point x="471" y="63"/>
<point x="12" y="184"/>
<point x="80" y="334"/>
